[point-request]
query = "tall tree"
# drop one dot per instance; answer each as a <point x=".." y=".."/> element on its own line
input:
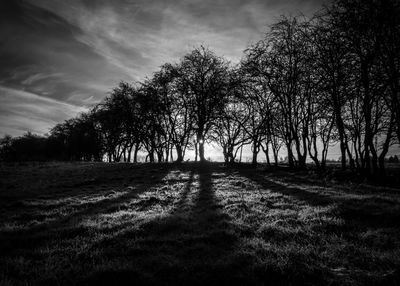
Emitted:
<point x="204" y="76"/>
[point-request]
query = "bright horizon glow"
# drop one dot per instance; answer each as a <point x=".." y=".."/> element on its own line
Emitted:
<point x="214" y="152"/>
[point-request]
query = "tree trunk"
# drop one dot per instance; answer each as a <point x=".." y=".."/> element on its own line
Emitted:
<point x="196" y="152"/>
<point x="160" y="156"/>
<point x="386" y="144"/>
<point x="343" y="152"/>
<point x="201" y="152"/>
<point x="254" y="161"/>
<point x="301" y="158"/>
<point x="136" y="152"/>
<point x="340" y="127"/>
<point x="151" y="156"/>
<point x="267" y="157"/>
<point x="290" y="154"/>
<point x="275" y="158"/>
<point x="255" y="153"/>
<point x="179" y="153"/>
<point x="396" y="110"/>
<point x="130" y="153"/>
<point x="231" y="158"/>
<point x="313" y="150"/>
<point x="167" y="153"/>
<point x="382" y="171"/>
<point x="224" y="152"/>
<point x="266" y="152"/>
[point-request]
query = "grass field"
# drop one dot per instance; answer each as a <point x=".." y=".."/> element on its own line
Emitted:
<point x="165" y="224"/>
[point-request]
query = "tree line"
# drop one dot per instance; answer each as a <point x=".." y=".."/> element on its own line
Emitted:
<point x="309" y="83"/>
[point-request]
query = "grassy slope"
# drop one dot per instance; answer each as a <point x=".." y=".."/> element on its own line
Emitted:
<point x="100" y="224"/>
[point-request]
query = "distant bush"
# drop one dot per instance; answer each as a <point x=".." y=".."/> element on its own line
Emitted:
<point x="32" y="147"/>
<point x="28" y="147"/>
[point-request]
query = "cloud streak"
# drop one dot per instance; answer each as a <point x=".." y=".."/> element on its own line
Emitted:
<point x="33" y="113"/>
<point x="73" y="52"/>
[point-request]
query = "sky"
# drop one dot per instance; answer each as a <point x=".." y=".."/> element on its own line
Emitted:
<point x="58" y="58"/>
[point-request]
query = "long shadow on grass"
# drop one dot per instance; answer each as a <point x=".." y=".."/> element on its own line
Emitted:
<point x="357" y="212"/>
<point x="185" y="193"/>
<point x="66" y="226"/>
<point x="192" y="245"/>
<point x="367" y="229"/>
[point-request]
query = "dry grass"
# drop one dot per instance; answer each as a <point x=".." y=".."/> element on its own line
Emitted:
<point x="101" y="224"/>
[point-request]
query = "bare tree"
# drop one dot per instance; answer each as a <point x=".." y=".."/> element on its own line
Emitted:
<point x="229" y="131"/>
<point x="205" y="77"/>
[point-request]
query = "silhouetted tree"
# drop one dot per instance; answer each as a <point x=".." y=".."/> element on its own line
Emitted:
<point x="229" y="131"/>
<point x="204" y="76"/>
<point x="360" y="25"/>
<point x="77" y="139"/>
<point x="282" y="60"/>
<point x="178" y="108"/>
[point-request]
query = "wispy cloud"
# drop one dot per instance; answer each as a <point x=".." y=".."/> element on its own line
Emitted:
<point x="73" y="52"/>
<point x="22" y="111"/>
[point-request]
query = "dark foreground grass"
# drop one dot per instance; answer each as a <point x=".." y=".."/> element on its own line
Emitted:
<point x="164" y="224"/>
